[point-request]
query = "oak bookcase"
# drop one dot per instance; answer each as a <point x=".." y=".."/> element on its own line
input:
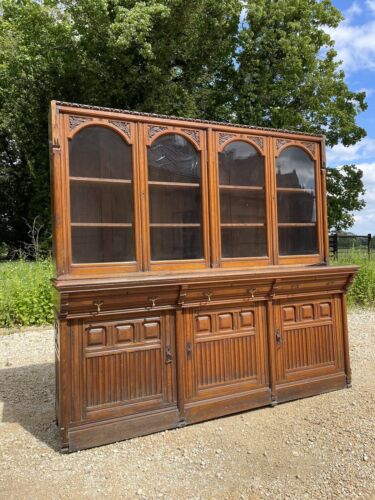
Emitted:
<point x="191" y="272"/>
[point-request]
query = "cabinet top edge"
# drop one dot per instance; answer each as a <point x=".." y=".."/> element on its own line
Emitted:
<point x="213" y="276"/>
<point x="64" y="106"/>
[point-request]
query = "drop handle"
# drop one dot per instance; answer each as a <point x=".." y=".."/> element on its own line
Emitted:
<point x="208" y="296"/>
<point x="251" y="291"/>
<point x="279" y="339"/>
<point x="98" y="305"/>
<point x="153" y="300"/>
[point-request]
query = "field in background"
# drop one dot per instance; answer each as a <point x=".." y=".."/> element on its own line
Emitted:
<point x="25" y="293"/>
<point x="26" y="290"/>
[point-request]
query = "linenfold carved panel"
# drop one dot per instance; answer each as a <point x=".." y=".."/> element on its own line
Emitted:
<point x="123" y="362"/>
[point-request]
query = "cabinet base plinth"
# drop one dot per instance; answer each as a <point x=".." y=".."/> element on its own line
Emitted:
<point x="107" y="432"/>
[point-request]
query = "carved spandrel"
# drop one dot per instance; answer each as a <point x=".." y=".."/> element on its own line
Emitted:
<point x="123" y="126"/>
<point x="154" y="129"/>
<point x="281" y="142"/>
<point x="194" y="134"/>
<point x="75" y="121"/>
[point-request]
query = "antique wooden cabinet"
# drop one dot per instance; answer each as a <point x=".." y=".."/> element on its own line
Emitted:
<point x="191" y="272"/>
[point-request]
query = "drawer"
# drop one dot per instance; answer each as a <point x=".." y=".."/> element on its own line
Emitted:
<point x="102" y="302"/>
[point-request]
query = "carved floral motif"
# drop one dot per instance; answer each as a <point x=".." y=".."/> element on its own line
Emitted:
<point x="310" y="146"/>
<point x="75" y="121"/>
<point x="194" y="134"/>
<point x="155" y="129"/>
<point x="123" y="126"/>
<point x="281" y="142"/>
<point x="259" y="141"/>
<point x="224" y="137"/>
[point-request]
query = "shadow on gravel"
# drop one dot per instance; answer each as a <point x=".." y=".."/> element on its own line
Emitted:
<point x="28" y="394"/>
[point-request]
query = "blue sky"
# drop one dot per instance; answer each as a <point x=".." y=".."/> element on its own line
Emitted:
<point x="355" y="44"/>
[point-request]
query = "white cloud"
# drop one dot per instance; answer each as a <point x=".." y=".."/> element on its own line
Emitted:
<point x="355" y="43"/>
<point x="362" y="151"/>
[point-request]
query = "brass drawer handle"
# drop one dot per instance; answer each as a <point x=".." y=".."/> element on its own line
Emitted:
<point x="153" y="300"/>
<point x="252" y="291"/>
<point x="98" y="305"/>
<point x="208" y="296"/>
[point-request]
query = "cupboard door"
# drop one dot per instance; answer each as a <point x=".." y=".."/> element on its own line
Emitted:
<point x="176" y="205"/>
<point x="308" y="339"/>
<point x="240" y="190"/>
<point x="225" y="351"/>
<point x="128" y="365"/>
<point x="298" y="201"/>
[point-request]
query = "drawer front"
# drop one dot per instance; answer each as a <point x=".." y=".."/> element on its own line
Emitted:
<point x="105" y="303"/>
<point x="127" y="366"/>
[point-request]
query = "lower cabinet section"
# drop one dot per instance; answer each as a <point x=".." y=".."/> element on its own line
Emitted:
<point x="121" y="375"/>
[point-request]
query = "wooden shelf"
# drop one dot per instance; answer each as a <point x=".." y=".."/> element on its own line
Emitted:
<point x="157" y="224"/>
<point x="244" y="224"/>
<point x="100" y="180"/>
<point x="101" y="224"/>
<point x="295" y="190"/>
<point x="241" y="188"/>
<point x="174" y="184"/>
<point x="296" y="224"/>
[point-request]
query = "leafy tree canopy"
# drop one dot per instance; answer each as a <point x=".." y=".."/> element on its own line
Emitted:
<point x="345" y="188"/>
<point x="259" y="62"/>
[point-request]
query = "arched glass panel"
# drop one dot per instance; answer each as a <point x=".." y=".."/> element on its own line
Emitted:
<point x="174" y="182"/>
<point x="296" y="203"/>
<point x="101" y="197"/>
<point x="242" y="201"/>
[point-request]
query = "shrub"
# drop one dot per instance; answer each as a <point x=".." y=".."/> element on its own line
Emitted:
<point x="26" y="293"/>
<point x="362" y="291"/>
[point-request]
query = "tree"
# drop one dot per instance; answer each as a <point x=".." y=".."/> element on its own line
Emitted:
<point x="186" y="57"/>
<point x="344" y="187"/>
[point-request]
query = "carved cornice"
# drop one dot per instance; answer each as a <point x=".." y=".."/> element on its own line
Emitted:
<point x="123" y="126"/>
<point x="75" y="121"/>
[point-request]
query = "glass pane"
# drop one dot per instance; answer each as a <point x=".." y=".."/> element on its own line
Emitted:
<point x="172" y="158"/>
<point x="170" y="204"/>
<point x="298" y="240"/>
<point x="100" y="152"/>
<point x="96" y="202"/>
<point x="296" y="206"/>
<point x="295" y="169"/>
<point x="243" y="242"/>
<point x="241" y="165"/>
<point x="102" y="244"/>
<point x="176" y="243"/>
<point x="242" y="206"/>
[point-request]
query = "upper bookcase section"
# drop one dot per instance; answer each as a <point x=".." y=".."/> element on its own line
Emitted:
<point x="137" y="192"/>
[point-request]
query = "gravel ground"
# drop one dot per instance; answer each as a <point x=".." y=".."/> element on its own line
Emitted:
<point x="316" y="448"/>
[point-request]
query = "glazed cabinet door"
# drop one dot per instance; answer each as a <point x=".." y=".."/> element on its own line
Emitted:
<point x="308" y="339"/>
<point x="225" y="358"/>
<point x="123" y="367"/>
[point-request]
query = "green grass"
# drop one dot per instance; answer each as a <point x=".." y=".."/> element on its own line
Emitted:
<point x="362" y="291"/>
<point x="25" y="293"/>
<point x="26" y="290"/>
